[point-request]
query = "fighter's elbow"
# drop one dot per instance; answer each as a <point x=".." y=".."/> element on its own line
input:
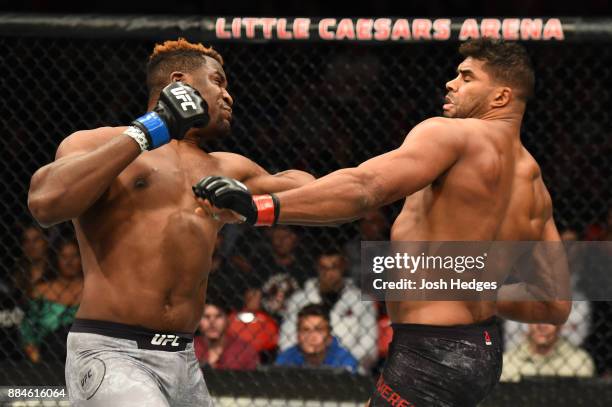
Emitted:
<point x="559" y="311"/>
<point x="301" y="178"/>
<point x="41" y="208"/>
<point x="42" y="203"/>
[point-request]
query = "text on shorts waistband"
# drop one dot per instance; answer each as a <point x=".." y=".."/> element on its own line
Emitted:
<point x="144" y="337"/>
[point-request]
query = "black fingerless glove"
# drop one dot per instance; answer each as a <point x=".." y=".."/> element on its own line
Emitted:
<point x="228" y="193"/>
<point x="179" y="108"/>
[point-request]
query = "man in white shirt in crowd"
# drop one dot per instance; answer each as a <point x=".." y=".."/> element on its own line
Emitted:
<point x="353" y="321"/>
<point x="546" y="353"/>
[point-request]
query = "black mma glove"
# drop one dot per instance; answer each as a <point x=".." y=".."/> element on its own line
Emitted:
<point x="179" y="108"/>
<point x="227" y="193"/>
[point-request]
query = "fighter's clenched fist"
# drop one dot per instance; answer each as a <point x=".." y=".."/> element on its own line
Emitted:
<point x="179" y="108"/>
<point x="228" y="193"/>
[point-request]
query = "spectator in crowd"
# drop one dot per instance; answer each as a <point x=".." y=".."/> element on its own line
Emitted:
<point x="578" y="324"/>
<point x="372" y="227"/>
<point x="568" y="235"/>
<point x="575" y="330"/>
<point x="233" y="279"/>
<point x="253" y="325"/>
<point x="601" y="231"/>
<point x="281" y="268"/>
<point x="545" y="353"/>
<point x="385" y="333"/>
<point x="316" y="346"/>
<point x="219" y="349"/>
<point x="596" y="283"/>
<point x="224" y="281"/>
<point x="353" y="321"/>
<point x="276" y="291"/>
<point x="11" y="315"/>
<point x="385" y="336"/>
<point x="285" y="258"/>
<point x="33" y="266"/>
<point x="53" y="306"/>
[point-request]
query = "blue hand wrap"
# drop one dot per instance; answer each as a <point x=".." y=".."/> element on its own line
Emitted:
<point x="158" y="132"/>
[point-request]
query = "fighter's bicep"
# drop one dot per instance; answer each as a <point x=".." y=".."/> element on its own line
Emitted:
<point x="81" y="142"/>
<point x="549" y="229"/>
<point x="427" y="152"/>
<point x="239" y="167"/>
<point x="550" y="232"/>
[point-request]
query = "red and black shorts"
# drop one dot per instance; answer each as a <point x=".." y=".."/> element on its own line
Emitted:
<point x="441" y="366"/>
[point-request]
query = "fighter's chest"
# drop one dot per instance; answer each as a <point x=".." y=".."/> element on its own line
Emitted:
<point x="164" y="178"/>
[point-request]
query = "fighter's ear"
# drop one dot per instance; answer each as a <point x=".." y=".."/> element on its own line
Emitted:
<point x="177" y="76"/>
<point x="502" y="96"/>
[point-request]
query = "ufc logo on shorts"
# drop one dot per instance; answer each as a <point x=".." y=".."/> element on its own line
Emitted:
<point x="181" y="94"/>
<point x="161" y="339"/>
<point x="86" y="377"/>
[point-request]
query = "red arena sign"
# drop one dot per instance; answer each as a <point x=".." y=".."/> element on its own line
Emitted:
<point x="387" y="29"/>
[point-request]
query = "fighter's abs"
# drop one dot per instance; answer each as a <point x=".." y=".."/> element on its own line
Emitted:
<point x="149" y="246"/>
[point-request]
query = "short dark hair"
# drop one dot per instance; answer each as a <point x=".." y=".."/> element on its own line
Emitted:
<point x="53" y="271"/>
<point x="285" y="227"/>
<point x="508" y="62"/>
<point x="217" y="303"/>
<point x="312" y="309"/>
<point x="31" y="225"/>
<point x="331" y="251"/>
<point x="179" y="55"/>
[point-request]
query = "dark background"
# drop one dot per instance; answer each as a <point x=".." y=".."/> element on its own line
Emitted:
<point x="430" y="8"/>
<point x="287" y="104"/>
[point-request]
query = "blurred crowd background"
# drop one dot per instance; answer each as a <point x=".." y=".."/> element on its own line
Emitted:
<point x="289" y="296"/>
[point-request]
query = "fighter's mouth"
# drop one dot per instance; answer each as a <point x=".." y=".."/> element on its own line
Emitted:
<point x="228" y="111"/>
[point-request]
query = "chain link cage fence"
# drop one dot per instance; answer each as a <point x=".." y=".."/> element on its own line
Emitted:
<point x="316" y="106"/>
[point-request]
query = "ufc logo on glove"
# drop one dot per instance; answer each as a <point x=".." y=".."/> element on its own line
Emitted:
<point x="181" y="94"/>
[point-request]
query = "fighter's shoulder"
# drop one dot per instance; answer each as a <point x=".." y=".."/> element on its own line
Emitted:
<point x="231" y="158"/>
<point x="86" y="140"/>
<point x="533" y="172"/>
<point x="442" y="126"/>
<point x="448" y="134"/>
<point x="531" y="164"/>
<point x="238" y="166"/>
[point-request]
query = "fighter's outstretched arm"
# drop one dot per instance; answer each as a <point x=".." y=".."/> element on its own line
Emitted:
<point x="429" y="150"/>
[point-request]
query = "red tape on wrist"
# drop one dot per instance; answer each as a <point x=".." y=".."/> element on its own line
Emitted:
<point x="265" y="210"/>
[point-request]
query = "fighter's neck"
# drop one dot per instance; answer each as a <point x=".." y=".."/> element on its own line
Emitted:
<point x="511" y="117"/>
<point x="191" y="142"/>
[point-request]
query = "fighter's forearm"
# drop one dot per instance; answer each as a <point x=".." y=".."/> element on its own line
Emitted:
<point x="64" y="189"/>
<point x="552" y="312"/>
<point x="339" y="197"/>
